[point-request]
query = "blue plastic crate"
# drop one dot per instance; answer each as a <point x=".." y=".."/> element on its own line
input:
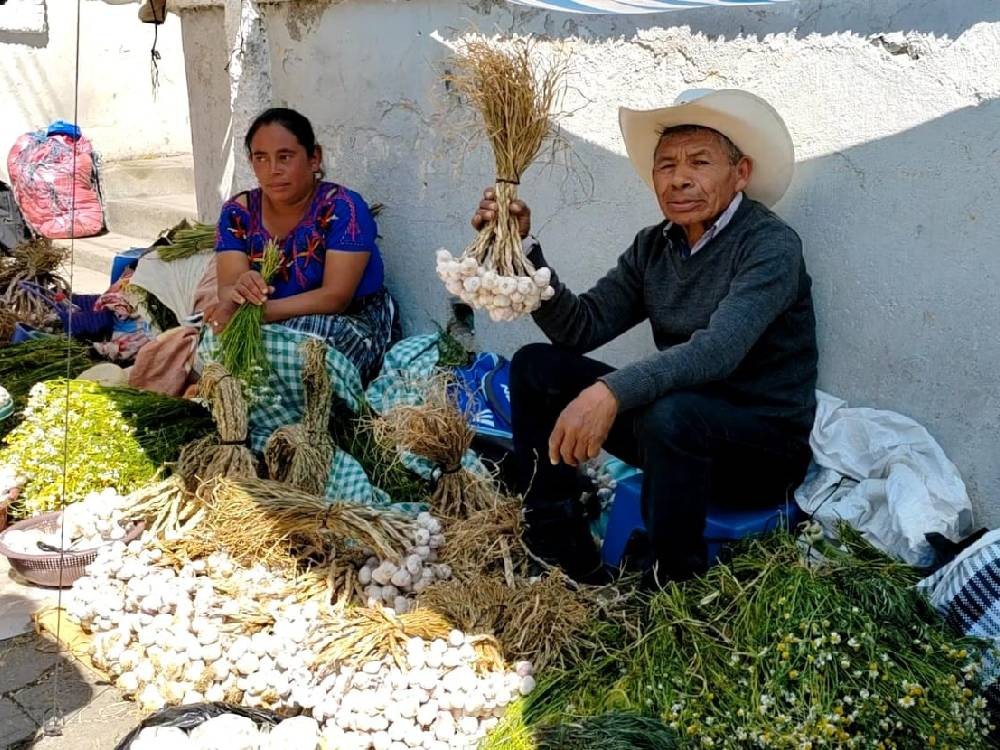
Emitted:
<point x="126" y="259"/>
<point x="722" y="525"/>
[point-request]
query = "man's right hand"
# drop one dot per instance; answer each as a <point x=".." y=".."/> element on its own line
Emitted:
<point x="487" y="212"/>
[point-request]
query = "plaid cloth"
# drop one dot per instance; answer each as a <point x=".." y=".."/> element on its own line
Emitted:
<point x="283" y="400"/>
<point x="966" y="592"/>
<point x="410" y="361"/>
<point x="408" y="365"/>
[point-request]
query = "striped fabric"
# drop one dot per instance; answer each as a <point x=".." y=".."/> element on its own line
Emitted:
<point x="626" y="7"/>
<point x="966" y="592"/>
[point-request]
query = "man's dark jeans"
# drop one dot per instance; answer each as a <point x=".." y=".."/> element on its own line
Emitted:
<point x="694" y="449"/>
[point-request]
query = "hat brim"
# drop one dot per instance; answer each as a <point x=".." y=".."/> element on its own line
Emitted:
<point x="747" y="120"/>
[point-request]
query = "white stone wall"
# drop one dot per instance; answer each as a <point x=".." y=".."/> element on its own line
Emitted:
<point x="893" y="107"/>
<point x="118" y="111"/>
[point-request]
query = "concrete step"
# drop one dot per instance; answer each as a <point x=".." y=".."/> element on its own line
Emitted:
<point x="141" y="177"/>
<point x="147" y="217"/>
<point x="87" y="281"/>
<point x="92" y="259"/>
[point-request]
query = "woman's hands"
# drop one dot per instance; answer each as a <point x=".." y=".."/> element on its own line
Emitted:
<point x="250" y="287"/>
<point x="217" y="316"/>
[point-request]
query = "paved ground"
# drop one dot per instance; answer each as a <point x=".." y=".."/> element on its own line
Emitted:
<point x="94" y="715"/>
<point x="37" y="683"/>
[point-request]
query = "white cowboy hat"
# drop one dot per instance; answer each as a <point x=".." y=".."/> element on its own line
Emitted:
<point x="744" y="118"/>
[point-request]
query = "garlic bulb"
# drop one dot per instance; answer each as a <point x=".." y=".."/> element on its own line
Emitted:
<point x="503" y="297"/>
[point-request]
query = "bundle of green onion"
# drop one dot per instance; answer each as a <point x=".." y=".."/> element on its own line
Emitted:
<point x="241" y="348"/>
<point x="187" y="241"/>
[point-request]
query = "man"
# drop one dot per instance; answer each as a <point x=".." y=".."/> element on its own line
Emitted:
<point x="722" y="411"/>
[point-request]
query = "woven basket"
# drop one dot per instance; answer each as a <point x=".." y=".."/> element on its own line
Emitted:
<point x="50" y="568"/>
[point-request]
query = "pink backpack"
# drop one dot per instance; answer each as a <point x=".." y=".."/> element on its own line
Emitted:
<point x="41" y="173"/>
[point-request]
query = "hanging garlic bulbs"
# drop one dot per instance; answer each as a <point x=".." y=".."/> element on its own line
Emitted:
<point x="504" y="297"/>
<point x="517" y="98"/>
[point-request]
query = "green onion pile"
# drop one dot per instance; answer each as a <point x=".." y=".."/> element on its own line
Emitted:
<point x="187" y="241"/>
<point x="770" y="651"/>
<point x="22" y="365"/>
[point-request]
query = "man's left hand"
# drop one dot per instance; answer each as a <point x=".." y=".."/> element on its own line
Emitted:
<point x="583" y="426"/>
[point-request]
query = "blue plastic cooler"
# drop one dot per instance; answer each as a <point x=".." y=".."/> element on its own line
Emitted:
<point x="722" y="525"/>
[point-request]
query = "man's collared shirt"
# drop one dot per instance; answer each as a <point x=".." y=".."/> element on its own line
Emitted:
<point x="717" y="227"/>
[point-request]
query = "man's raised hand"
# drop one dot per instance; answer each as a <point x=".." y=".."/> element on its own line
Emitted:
<point x="487" y="212"/>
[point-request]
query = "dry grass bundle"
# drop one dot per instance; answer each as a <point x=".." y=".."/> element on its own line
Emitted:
<point x="354" y="635"/>
<point x="438" y="431"/>
<point x="7" y="322"/>
<point x="224" y="454"/>
<point x="32" y="260"/>
<point x="488" y="543"/>
<point x="543" y="621"/>
<point x="258" y="520"/>
<point x="35" y="262"/>
<point x="516" y="98"/>
<point x="169" y="510"/>
<point x="300" y="454"/>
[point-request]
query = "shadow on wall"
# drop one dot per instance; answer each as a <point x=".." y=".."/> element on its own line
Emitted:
<point x="901" y="238"/>
<point x="804" y="17"/>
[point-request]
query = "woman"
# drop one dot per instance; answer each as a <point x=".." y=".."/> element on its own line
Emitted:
<point x="330" y="284"/>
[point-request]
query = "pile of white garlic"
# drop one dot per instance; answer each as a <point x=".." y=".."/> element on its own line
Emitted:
<point x="394" y="585"/>
<point x="95" y="520"/>
<point x="438" y="701"/>
<point x="504" y="297"/>
<point x="171" y="637"/>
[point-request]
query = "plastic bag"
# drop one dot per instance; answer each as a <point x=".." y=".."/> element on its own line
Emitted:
<point x="195" y="714"/>
<point x="886" y="476"/>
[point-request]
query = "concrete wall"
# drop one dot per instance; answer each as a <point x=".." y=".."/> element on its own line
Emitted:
<point x="894" y="107"/>
<point x="118" y="111"/>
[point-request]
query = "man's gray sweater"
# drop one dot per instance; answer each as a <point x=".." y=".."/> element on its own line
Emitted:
<point x="735" y="320"/>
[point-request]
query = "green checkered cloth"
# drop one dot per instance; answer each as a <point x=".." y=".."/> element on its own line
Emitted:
<point x="408" y="365"/>
<point x="282" y="401"/>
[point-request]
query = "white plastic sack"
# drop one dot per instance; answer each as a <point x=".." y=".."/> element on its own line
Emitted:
<point x="886" y="476"/>
<point x="175" y="282"/>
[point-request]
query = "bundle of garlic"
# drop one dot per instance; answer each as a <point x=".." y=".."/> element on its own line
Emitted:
<point x="97" y="519"/>
<point x="394" y="583"/>
<point x="516" y="98"/>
